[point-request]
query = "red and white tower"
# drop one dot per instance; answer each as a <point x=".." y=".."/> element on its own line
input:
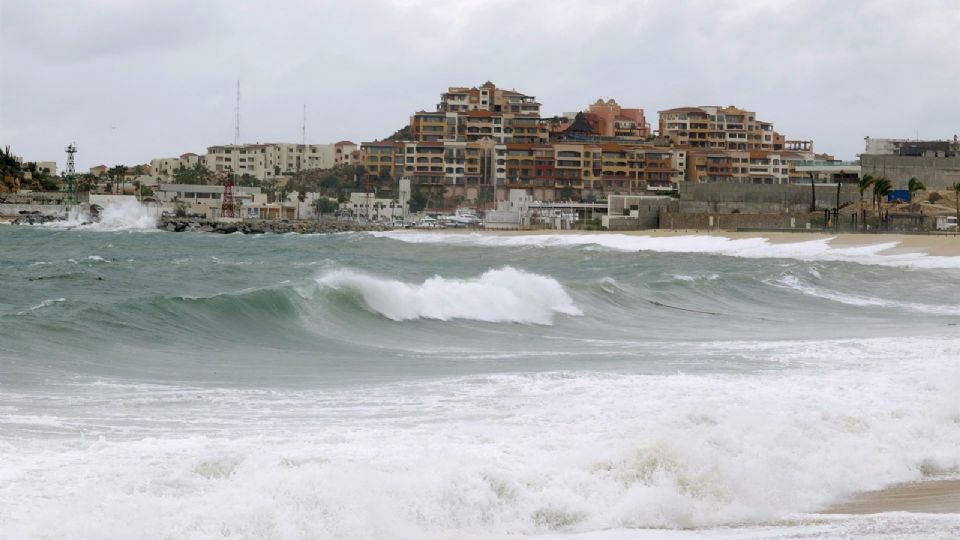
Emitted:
<point x="227" y="208"/>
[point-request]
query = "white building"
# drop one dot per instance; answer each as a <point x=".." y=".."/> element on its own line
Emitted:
<point x="203" y="199"/>
<point x="369" y="207"/>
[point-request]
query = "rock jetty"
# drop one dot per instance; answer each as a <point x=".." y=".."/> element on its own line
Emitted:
<point x="260" y="226"/>
<point x="35" y="218"/>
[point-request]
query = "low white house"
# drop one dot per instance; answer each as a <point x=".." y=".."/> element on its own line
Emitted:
<point x="368" y="206"/>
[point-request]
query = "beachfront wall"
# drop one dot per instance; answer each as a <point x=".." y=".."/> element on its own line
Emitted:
<point x="707" y="221"/>
<point x="935" y="172"/>
<point x="761" y="199"/>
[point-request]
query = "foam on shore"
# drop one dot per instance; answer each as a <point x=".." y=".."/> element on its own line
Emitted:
<point x="820" y="249"/>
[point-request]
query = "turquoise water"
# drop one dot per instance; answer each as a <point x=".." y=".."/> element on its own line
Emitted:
<point x="412" y="385"/>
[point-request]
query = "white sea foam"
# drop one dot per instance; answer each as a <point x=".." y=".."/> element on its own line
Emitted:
<point x="124" y="215"/>
<point x="752" y="248"/>
<point x="501" y="295"/>
<point x="501" y="455"/>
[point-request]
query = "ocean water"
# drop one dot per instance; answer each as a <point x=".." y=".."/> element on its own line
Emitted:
<point x="420" y="385"/>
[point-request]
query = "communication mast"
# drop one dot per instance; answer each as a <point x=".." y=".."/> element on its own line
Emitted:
<point x="227" y="208"/>
<point x="236" y="115"/>
<point x="71" y="150"/>
<point x="70" y="175"/>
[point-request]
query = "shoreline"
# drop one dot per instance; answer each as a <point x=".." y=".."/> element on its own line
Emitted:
<point x="942" y="245"/>
<point x="933" y="496"/>
<point x="933" y="244"/>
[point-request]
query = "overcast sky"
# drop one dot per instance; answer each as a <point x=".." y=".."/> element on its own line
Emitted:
<point x="134" y="80"/>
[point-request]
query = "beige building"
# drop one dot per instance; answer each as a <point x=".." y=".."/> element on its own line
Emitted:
<point x="485" y="112"/>
<point x="716" y="128"/>
<point x="262" y="161"/>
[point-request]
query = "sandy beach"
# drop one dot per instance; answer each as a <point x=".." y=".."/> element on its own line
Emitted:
<point x="930" y="497"/>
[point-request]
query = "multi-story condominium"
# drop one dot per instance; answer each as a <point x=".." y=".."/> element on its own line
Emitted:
<point x="744" y="166"/>
<point x="467" y="170"/>
<point x="166" y="167"/>
<point x="346" y="153"/>
<point x="912" y="147"/>
<point x="262" y="161"/>
<point x="716" y="128"/>
<point x="471" y="114"/>
<point x="610" y="121"/>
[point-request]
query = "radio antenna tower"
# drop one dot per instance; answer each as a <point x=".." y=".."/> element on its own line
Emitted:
<point x="71" y="150"/>
<point x="303" y="134"/>
<point x="236" y="119"/>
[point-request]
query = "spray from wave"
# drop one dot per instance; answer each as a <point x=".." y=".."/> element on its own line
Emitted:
<point x="501" y="295"/>
<point x="121" y="215"/>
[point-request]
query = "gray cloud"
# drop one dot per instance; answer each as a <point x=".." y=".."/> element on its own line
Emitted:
<point x="134" y="80"/>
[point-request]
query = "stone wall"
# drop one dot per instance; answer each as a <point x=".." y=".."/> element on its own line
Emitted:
<point x="935" y="172"/>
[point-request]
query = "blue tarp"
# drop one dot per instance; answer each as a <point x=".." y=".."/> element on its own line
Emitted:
<point x="899" y="195"/>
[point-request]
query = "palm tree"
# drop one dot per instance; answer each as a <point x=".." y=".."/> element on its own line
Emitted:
<point x="301" y="196"/>
<point x="956" y="193"/>
<point x="881" y="188"/>
<point x="118" y="173"/>
<point x="865" y="182"/>
<point x="914" y="186"/>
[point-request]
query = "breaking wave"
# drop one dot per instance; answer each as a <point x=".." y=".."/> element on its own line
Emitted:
<point x="501" y="295"/>
<point x="794" y="283"/>
<point x="122" y="215"/>
<point x="496" y="456"/>
<point x="750" y="248"/>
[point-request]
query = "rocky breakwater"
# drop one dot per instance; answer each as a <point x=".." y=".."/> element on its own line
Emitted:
<point x="36" y="218"/>
<point x="260" y="226"/>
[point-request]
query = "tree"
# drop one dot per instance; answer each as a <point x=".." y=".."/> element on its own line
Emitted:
<point x="418" y="200"/>
<point x="248" y="180"/>
<point x="402" y="134"/>
<point x="914" y="186"/>
<point x="566" y="193"/>
<point x="956" y="198"/>
<point x="86" y="182"/>
<point x="10" y="173"/>
<point x="117" y="174"/>
<point x="881" y="188"/>
<point x="198" y="174"/>
<point x="301" y="196"/>
<point x="863" y="184"/>
<point x="324" y="205"/>
<point x="46" y="182"/>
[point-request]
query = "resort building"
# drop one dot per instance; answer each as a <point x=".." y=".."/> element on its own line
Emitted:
<point x="262" y="161"/>
<point x="471" y="114"/>
<point x="716" y="128"/>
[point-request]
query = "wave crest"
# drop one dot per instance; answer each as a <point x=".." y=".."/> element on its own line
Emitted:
<point x="501" y="295"/>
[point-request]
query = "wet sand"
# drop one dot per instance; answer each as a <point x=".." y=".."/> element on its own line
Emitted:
<point x="930" y="497"/>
